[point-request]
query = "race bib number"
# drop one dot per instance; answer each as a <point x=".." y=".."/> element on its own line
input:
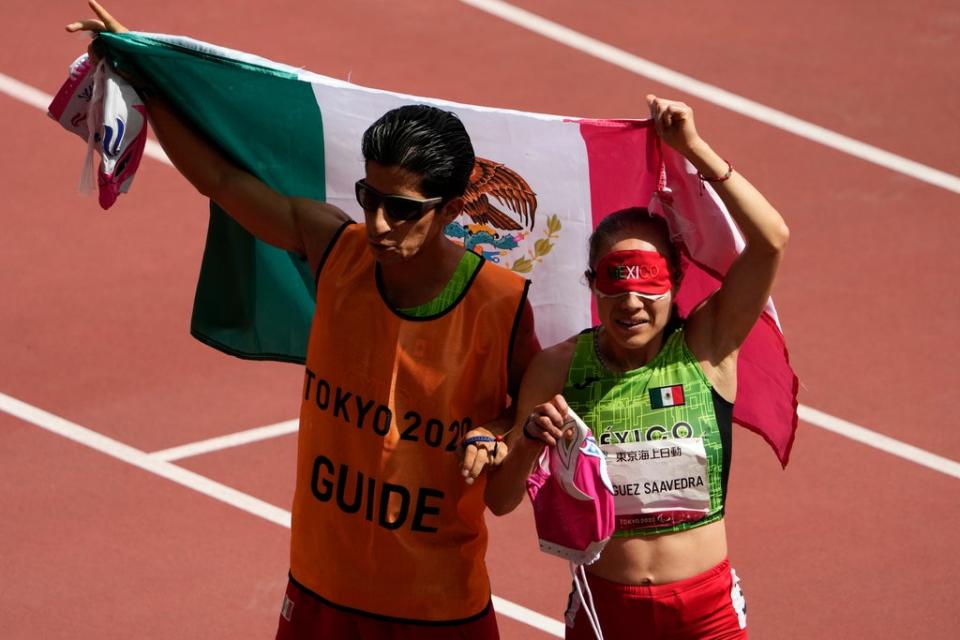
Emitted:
<point x="658" y="483"/>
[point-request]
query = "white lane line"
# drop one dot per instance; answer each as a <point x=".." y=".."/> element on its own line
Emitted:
<point x="24" y="92"/>
<point x="879" y="441"/>
<point x="531" y="617"/>
<point x="225" y="442"/>
<point x="716" y="95"/>
<point x="244" y="502"/>
<point x="36" y="98"/>
<point x="142" y="460"/>
<point x="155" y="151"/>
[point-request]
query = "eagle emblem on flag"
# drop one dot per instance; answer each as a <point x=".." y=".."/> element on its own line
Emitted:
<point x="490" y="178"/>
<point x="493" y="232"/>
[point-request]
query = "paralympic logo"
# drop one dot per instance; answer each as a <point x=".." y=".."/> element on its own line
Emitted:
<point x="111" y="147"/>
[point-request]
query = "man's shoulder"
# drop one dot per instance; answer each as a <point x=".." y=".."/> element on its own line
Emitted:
<point x="344" y="249"/>
<point x="350" y="236"/>
<point x="353" y="230"/>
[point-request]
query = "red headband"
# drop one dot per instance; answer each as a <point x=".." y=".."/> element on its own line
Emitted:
<point x="643" y="272"/>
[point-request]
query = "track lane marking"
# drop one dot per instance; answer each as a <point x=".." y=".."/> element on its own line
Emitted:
<point x="242" y="501"/>
<point x="878" y="441"/>
<point x="714" y="94"/>
<point x="142" y="460"/>
<point x="529" y="616"/>
<point x="219" y="443"/>
<point x="24" y="92"/>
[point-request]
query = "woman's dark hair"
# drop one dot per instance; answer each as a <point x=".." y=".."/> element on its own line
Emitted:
<point x="622" y="224"/>
<point x="424" y="140"/>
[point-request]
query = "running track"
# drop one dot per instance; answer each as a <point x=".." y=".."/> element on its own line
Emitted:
<point x="849" y="542"/>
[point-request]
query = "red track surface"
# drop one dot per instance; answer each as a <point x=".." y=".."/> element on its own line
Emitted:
<point x="849" y="542"/>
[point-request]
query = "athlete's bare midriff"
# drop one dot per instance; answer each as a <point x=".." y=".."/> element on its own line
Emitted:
<point x="658" y="559"/>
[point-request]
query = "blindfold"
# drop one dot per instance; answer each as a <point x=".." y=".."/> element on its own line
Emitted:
<point x="645" y="273"/>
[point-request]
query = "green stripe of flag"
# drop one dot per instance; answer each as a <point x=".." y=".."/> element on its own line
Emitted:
<point x="252" y="300"/>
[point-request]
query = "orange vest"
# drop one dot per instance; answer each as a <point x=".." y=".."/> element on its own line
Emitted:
<point x="383" y="521"/>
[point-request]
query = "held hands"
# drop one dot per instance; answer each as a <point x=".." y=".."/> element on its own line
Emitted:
<point x="545" y="422"/>
<point x="481" y="449"/>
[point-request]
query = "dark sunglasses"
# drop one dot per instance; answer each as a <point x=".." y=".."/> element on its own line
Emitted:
<point x="397" y="207"/>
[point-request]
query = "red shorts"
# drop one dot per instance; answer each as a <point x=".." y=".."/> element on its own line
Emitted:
<point x="708" y="605"/>
<point x="305" y="616"/>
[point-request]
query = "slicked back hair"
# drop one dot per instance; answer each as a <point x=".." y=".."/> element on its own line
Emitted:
<point x="626" y="222"/>
<point x="424" y="140"/>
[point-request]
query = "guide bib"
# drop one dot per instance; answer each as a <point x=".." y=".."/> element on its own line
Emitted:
<point x="383" y="522"/>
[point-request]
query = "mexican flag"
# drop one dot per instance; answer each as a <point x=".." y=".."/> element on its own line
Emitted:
<point x="665" y="397"/>
<point x="541" y="184"/>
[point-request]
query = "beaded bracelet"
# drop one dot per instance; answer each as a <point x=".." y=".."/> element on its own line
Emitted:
<point x="722" y="178"/>
<point x="473" y="440"/>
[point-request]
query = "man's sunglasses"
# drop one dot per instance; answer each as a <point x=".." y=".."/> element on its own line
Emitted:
<point x="396" y="207"/>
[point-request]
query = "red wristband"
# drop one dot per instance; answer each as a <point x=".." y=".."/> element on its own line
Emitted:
<point x="722" y="178"/>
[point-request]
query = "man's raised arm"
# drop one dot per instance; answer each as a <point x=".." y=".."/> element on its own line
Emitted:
<point x="300" y="225"/>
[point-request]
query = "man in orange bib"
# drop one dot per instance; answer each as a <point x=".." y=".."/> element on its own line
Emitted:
<point x="415" y="342"/>
<point x="410" y="348"/>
